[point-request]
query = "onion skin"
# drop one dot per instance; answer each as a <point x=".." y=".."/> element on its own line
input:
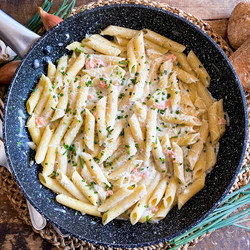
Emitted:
<point x="6" y="53"/>
<point x="7" y="71"/>
<point x="49" y="20"/>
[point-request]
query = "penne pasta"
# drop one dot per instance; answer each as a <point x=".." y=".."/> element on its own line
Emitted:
<point x="150" y="132"/>
<point x="62" y="103"/>
<point x="185" y="140"/>
<point x="35" y="95"/>
<point x="115" y="199"/>
<point x="184" y="76"/>
<point x="109" y="150"/>
<point x="101" y="120"/>
<point x="78" y="47"/>
<point x="163" y="41"/>
<point x="73" y="129"/>
<point x="61" y="159"/>
<point x="194" y="153"/>
<point x="178" y="163"/>
<point x="132" y="64"/>
<point x="199" y="69"/>
<point x="113" y="30"/>
<point x="112" y="106"/>
<point x="210" y="154"/>
<point x="60" y="72"/>
<point x="190" y="191"/>
<point x="35" y="132"/>
<point x="89" y="130"/>
<point x="49" y="161"/>
<point x="94" y="169"/>
<point x="78" y="205"/>
<point x="182" y="119"/>
<point x="82" y="95"/>
<point x="53" y="185"/>
<point x="89" y="193"/>
<point x="44" y="96"/>
<point x="102" y="45"/>
<point x="168" y="201"/>
<point x="213" y="122"/>
<point x="182" y="60"/>
<point x="121" y="41"/>
<point x="124" y="204"/>
<point x="60" y="130"/>
<point x="200" y="166"/>
<point x="204" y="94"/>
<point x="165" y="70"/>
<point x="139" y="51"/>
<point x="136" y="130"/>
<point x="158" y="155"/>
<point x="158" y="193"/>
<point x="125" y="128"/>
<point x="175" y="93"/>
<point x="75" y="68"/>
<point x="126" y="168"/>
<point x="43" y="145"/>
<point x="51" y="71"/>
<point x="129" y="142"/>
<point x="152" y="46"/>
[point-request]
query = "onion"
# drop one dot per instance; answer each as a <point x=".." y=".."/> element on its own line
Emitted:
<point x="49" y="20"/>
<point x="6" y="53"/>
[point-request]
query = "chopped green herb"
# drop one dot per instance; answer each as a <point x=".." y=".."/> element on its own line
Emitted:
<point x="81" y="162"/>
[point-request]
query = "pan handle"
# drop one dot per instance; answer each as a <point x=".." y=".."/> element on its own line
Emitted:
<point x="15" y="35"/>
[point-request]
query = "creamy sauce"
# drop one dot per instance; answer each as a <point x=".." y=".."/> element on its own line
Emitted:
<point x="155" y="91"/>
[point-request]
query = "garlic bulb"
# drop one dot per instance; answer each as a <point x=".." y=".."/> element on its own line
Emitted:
<point x="6" y="53"/>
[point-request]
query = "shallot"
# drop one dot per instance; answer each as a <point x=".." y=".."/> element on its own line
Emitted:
<point x="49" y="20"/>
<point x="7" y="71"/>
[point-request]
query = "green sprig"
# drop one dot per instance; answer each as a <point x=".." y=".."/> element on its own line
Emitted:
<point x="68" y="9"/>
<point x="35" y="19"/>
<point x="35" y="24"/>
<point x="220" y="217"/>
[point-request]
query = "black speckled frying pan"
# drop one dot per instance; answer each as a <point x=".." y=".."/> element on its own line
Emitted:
<point x="224" y="84"/>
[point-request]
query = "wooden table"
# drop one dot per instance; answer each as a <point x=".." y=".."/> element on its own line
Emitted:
<point x="15" y="234"/>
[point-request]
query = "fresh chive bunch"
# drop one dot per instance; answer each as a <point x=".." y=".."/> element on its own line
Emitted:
<point x="35" y="24"/>
<point x="220" y="217"/>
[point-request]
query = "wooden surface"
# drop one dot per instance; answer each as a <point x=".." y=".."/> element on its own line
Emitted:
<point x="205" y="9"/>
<point x="23" y="10"/>
<point x="15" y="234"/>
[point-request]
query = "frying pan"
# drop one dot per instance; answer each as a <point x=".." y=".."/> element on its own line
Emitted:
<point x="224" y="84"/>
